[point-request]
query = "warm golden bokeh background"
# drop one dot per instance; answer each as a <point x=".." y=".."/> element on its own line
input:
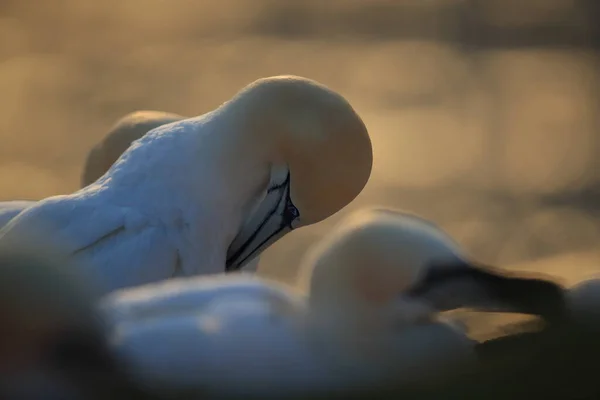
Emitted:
<point x="483" y="113"/>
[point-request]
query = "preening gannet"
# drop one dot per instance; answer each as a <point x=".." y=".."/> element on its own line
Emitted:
<point x="102" y="156"/>
<point x="206" y="194"/>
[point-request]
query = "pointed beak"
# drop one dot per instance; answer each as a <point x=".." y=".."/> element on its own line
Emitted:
<point x="466" y="285"/>
<point x="275" y="217"/>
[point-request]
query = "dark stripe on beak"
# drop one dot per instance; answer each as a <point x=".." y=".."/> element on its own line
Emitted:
<point x="485" y="288"/>
<point x="282" y="211"/>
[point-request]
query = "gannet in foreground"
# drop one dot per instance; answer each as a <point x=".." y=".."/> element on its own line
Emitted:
<point x="234" y="335"/>
<point x="206" y="194"/>
<point x="446" y="279"/>
<point x="53" y="341"/>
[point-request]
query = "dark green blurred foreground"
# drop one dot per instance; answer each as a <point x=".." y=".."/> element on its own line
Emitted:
<point x="557" y="363"/>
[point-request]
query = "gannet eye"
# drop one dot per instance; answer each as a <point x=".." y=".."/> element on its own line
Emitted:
<point x="291" y="212"/>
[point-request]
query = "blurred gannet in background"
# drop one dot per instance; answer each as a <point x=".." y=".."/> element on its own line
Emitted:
<point x="206" y="194"/>
<point x="102" y="156"/>
<point x="241" y="335"/>
<point x="127" y="130"/>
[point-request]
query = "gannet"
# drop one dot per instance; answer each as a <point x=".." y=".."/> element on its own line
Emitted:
<point x="125" y="131"/>
<point x="206" y="194"/>
<point x="101" y="157"/>
<point x="234" y="335"/>
<point x="447" y="278"/>
<point x="106" y="152"/>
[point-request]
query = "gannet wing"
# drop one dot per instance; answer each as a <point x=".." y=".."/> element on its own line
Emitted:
<point x="201" y="328"/>
<point x="181" y="295"/>
<point x="79" y="223"/>
<point x="117" y="244"/>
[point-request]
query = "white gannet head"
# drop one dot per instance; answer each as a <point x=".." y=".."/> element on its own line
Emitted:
<point x="316" y="147"/>
<point x="127" y="130"/>
<point x="356" y="280"/>
<point x="381" y="260"/>
<point x="356" y="275"/>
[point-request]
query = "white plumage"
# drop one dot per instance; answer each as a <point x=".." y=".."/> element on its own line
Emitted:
<point x="104" y="154"/>
<point x="207" y="194"/>
<point x="244" y="335"/>
<point x="10" y="209"/>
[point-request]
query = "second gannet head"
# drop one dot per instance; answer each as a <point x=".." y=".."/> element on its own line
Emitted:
<point x="120" y="136"/>
<point x="383" y="266"/>
<point x="357" y="279"/>
<point x="316" y="148"/>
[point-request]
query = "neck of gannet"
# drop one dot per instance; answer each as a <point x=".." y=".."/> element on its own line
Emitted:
<point x="199" y="177"/>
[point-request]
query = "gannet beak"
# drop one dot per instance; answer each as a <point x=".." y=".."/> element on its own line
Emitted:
<point x="275" y="217"/>
<point x="486" y="289"/>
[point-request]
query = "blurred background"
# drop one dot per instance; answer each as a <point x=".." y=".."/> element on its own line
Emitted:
<point x="484" y="114"/>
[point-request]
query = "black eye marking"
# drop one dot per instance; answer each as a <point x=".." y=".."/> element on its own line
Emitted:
<point x="290" y="213"/>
